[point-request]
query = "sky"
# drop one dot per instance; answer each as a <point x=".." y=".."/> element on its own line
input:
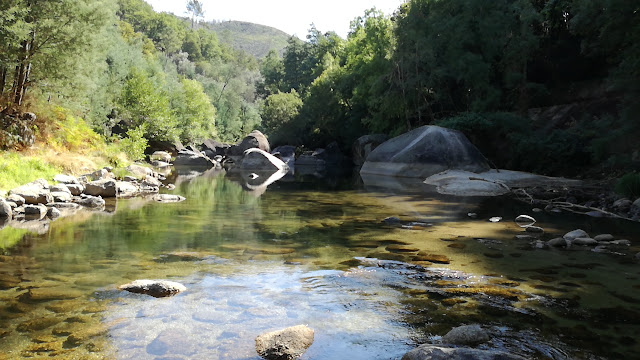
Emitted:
<point x="291" y="16"/>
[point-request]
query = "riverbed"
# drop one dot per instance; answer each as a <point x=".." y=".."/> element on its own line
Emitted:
<point x="315" y="251"/>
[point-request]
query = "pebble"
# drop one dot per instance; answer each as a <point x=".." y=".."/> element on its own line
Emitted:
<point x="495" y="219"/>
<point x="585" y="241"/>
<point x="622" y="242"/>
<point x="576" y="234"/>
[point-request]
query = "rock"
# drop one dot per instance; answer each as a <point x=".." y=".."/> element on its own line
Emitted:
<point x="558" y="242"/>
<point x="464" y="183"/>
<point x="49" y="294"/>
<point x="61" y="196"/>
<point x="38" y="211"/>
<point x="257" y="159"/>
<point x="37" y="324"/>
<point x="53" y="213"/>
<point x="525" y="220"/>
<point x="534" y="229"/>
<point x="5" y="209"/>
<point x="423" y="152"/>
<point x="286" y="344"/>
<point x="60" y="188"/>
<point x="17" y="199"/>
<point x="85" y="333"/>
<point x="526" y="237"/>
<point x="434" y="352"/>
<point x="603" y="237"/>
<point x="576" y="234"/>
<point x="103" y="188"/>
<point x="214" y="146"/>
<point x="391" y="220"/>
<point x="36" y="192"/>
<point x="636" y="204"/>
<point x="622" y="204"/>
<point x="151" y="181"/>
<point x="155" y="288"/>
<point x="140" y="171"/>
<point x="66" y="179"/>
<point x="495" y="219"/>
<point x="161" y="155"/>
<point x="101" y="174"/>
<point x="168" y="198"/>
<point x="364" y="145"/>
<point x="255" y="139"/>
<point x="90" y="201"/>
<point x="466" y="335"/>
<point x="434" y="258"/>
<point x="286" y="153"/>
<point x="75" y="189"/>
<point x="126" y="189"/>
<point x="584" y="241"/>
<point x="637" y="257"/>
<point x="191" y="158"/>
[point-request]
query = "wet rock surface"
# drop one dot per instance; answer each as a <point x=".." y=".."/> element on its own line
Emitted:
<point x="435" y="352"/>
<point x="155" y="288"/>
<point x="286" y="344"/>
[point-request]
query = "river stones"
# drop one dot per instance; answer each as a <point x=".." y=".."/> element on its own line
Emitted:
<point x="37" y="324"/>
<point x="37" y="211"/>
<point x="102" y="188"/>
<point x="66" y="179"/>
<point x="90" y="201"/>
<point x="286" y="344"/>
<point x="434" y="258"/>
<point x="466" y="335"/>
<point x="434" y="352"/>
<point x="155" y="288"/>
<point x="558" y="242"/>
<point x="534" y="229"/>
<point x="603" y="237"/>
<point x="584" y="241"/>
<point x="36" y="192"/>
<point x="578" y="233"/>
<point x="84" y="333"/>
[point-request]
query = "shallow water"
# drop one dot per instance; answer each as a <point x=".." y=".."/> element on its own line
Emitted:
<point x="316" y="253"/>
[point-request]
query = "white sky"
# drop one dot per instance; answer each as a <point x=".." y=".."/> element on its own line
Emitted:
<point x="291" y="16"/>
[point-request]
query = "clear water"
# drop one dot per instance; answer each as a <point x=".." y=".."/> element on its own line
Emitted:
<point x="313" y="252"/>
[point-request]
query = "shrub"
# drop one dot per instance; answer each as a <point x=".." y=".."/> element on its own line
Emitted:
<point x="629" y="185"/>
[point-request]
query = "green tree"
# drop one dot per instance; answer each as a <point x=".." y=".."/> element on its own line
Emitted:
<point x="279" y="109"/>
<point x="195" y="113"/>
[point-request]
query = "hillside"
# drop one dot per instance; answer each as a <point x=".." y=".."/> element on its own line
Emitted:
<point x="251" y="38"/>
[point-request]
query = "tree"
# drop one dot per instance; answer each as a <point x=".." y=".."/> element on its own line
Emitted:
<point x="196" y="114"/>
<point x="44" y="40"/>
<point x="194" y="7"/>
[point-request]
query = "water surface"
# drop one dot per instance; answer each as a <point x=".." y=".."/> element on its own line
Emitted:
<point x="313" y="252"/>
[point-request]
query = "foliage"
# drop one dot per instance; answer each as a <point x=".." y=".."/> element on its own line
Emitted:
<point x="134" y="144"/>
<point x="16" y="169"/>
<point x="629" y="185"/>
<point x="278" y="110"/>
<point x="254" y="39"/>
<point x="195" y="113"/>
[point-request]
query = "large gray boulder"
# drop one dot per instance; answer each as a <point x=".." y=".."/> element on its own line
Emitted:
<point x="423" y="152"/>
<point x="286" y="344"/>
<point x="466" y="335"/>
<point x="434" y="352"/>
<point x="36" y="192"/>
<point x="256" y="159"/>
<point x="192" y="158"/>
<point x="286" y="153"/>
<point x="103" y="188"/>
<point x="255" y="139"/>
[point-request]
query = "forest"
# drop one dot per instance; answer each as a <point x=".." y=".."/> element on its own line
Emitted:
<point x="540" y="85"/>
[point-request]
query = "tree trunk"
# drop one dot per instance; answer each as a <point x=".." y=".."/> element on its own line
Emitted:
<point x="3" y="79"/>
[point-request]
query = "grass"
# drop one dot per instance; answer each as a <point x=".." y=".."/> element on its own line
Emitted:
<point x="64" y="144"/>
<point x="17" y="169"/>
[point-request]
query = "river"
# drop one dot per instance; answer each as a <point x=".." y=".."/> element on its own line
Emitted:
<point x="315" y="252"/>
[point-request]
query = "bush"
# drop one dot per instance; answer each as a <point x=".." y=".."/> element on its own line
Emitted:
<point x="134" y="144"/>
<point x="629" y="186"/>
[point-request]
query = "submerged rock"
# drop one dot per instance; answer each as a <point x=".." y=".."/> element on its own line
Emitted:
<point x="155" y="288"/>
<point x="466" y="335"/>
<point x="603" y="237"/>
<point x="434" y="352"/>
<point x="256" y="159"/>
<point x="286" y="344"/>
<point x="584" y="241"/>
<point x="558" y="242"/>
